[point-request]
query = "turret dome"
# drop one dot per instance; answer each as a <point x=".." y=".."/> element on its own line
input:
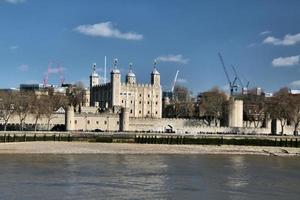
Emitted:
<point x="155" y="72"/>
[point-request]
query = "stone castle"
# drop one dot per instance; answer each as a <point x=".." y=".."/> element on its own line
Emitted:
<point x="131" y="106"/>
<point x="141" y="100"/>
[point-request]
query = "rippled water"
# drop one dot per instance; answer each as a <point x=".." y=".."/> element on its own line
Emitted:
<point x="148" y="177"/>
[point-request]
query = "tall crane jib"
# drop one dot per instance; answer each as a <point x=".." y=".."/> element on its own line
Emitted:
<point x="232" y="84"/>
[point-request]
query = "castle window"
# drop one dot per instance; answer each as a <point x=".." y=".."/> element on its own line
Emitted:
<point x="97" y="122"/>
<point x="140" y="102"/>
<point x="140" y="112"/>
<point x="88" y="121"/>
<point x="156" y="103"/>
<point x="140" y="95"/>
<point x="148" y="95"/>
<point x="131" y="102"/>
<point x="131" y="111"/>
<point x="75" y="121"/>
<point x="122" y="101"/>
<point x="156" y="112"/>
<point x="148" y="102"/>
<point x="148" y="112"/>
<point x="117" y="122"/>
<point x="156" y="96"/>
<point x="105" y="122"/>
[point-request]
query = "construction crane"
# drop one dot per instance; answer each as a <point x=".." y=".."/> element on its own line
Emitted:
<point x="244" y="87"/>
<point x="52" y="70"/>
<point x="174" y="82"/>
<point x="232" y="84"/>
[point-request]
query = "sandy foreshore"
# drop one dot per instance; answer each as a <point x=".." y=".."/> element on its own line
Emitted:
<point x="122" y="148"/>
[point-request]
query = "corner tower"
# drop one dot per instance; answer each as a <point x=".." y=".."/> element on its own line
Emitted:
<point x="94" y="80"/>
<point x="155" y="76"/>
<point x="115" y="79"/>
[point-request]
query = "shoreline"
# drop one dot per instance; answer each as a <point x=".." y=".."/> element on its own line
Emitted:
<point x="130" y="148"/>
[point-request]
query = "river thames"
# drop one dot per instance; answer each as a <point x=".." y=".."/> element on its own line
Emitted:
<point x="113" y="176"/>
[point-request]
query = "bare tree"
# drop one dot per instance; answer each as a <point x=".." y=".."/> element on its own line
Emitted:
<point x="279" y="107"/>
<point x="51" y="103"/>
<point x="38" y="108"/>
<point x="7" y="108"/>
<point x="212" y="105"/>
<point x="76" y="95"/>
<point x="23" y="107"/>
<point x="254" y="107"/>
<point x="295" y="112"/>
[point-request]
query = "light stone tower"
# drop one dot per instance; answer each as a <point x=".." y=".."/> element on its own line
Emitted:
<point x="69" y="119"/>
<point x="115" y="79"/>
<point x="155" y="76"/>
<point x="130" y="77"/>
<point x="94" y="77"/>
<point x="94" y="80"/>
<point x="235" y="113"/>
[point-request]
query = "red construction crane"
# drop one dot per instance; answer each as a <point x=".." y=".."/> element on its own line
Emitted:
<point x="57" y="69"/>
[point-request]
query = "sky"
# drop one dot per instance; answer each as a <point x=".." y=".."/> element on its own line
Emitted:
<point x="261" y="38"/>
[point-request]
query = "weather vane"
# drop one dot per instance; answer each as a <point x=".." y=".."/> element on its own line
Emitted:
<point x="115" y="63"/>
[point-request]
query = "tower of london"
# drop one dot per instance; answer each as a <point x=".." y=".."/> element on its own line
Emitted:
<point x="140" y="100"/>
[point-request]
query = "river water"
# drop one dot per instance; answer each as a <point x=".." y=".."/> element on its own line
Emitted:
<point x="149" y="177"/>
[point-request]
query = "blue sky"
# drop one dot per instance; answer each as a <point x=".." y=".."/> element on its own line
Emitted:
<point x="260" y="38"/>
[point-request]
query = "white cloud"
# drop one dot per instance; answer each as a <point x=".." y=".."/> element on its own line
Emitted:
<point x="23" y="68"/>
<point x="287" y="40"/>
<point x="181" y="80"/>
<point x="295" y="84"/>
<point x="106" y="29"/>
<point x="265" y="33"/>
<point x="251" y="45"/>
<point x="286" y="61"/>
<point x="13" y="47"/>
<point x="173" y="58"/>
<point x="14" y="1"/>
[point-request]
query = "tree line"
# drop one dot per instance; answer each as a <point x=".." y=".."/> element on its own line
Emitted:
<point x="212" y="107"/>
<point x="37" y="105"/>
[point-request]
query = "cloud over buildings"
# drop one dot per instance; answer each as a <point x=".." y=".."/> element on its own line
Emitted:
<point x="173" y="58"/>
<point x="286" y="61"/>
<point x="107" y="29"/>
<point x="287" y="40"/>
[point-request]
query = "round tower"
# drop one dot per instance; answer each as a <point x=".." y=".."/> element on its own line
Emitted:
<point x="130" y="77"/>
<point x="124" y="119"/>
<point x="235" y="113"/>
<point x="115" y="79"/>
<point x="70" y="119"/>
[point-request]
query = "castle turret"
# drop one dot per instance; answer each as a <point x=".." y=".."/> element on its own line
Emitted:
<point x="94" y="77"/>
<point x="115" y="79"/>
<point x="124" y="119"/>
<point x="130" y="77"/>
<point x="69" y="121"/>
<point x="94" y="80"/>
<point x="235" y="113"/>
<point x="155" y="76"/>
